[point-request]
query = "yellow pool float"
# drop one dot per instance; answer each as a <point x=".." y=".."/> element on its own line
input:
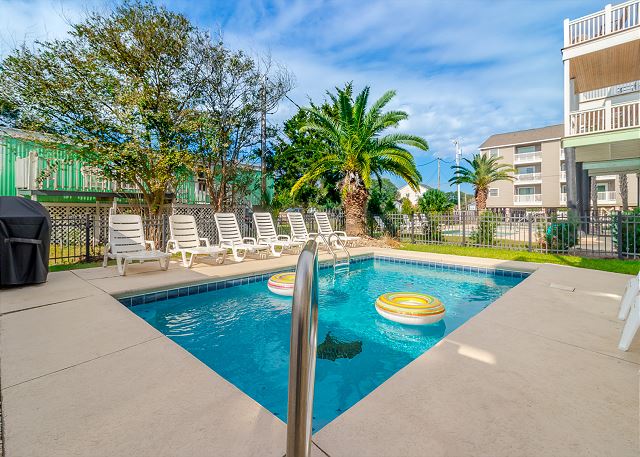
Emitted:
<point x="282" y="283"/>
<point x="410" y="308"/>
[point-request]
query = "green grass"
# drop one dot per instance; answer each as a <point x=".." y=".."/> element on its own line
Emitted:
<point x="630" y="267"/>
<point x="77" y="265"/>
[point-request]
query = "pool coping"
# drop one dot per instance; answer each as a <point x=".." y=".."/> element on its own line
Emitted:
<point x="85" y="287"/>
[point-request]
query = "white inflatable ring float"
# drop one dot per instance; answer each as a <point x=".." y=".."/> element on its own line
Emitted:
<point x="410" y="308"/>
<point x="282" y="283"/>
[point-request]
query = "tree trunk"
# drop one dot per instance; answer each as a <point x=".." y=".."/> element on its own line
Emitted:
<point x="355" y="207"/>
<point x="624" y="190"/>
<point x="481" y="198"/>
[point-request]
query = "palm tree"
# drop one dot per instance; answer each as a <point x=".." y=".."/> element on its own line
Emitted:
<point x="354" y="147"/>
<point x="480" y="172"/>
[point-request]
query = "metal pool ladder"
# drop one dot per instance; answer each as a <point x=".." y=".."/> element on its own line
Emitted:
<point x="302" y="357"/>
<point x="338" y="264"/>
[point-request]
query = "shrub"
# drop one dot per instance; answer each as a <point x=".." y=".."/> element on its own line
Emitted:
<point x="629" y="236"/>
<point x="560" y="236"/>
<point x="485" y="233"/>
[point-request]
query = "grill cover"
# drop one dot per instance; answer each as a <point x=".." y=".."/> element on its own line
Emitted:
<point x="25" y="229"/>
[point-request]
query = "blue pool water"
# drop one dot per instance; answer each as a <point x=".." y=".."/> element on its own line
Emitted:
<point x="242" y="332"/>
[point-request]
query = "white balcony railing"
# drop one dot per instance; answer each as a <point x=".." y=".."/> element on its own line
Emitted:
<point x="610" y="20"/>
<point x="531" y="199"/>
<point x="607" y="197"/>
<point x="563" y="175"/>
<point x="563" y="197"/>
<point x="616" y="117"/>
<point x="528" y="177"/>
<point x="525" y="157"/>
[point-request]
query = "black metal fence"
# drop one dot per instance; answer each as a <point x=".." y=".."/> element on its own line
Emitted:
<point x="83" y="238"/>
<point x="613" y="235"/>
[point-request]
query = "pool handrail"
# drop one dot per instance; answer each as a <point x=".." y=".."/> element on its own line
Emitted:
<point x="302" y="356"/>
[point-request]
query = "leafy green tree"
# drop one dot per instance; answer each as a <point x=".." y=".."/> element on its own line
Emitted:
<point x="121" y="87"/>
<point x="294" y="152"/>
<point x="480" y="172"/>
<point x="435" y="201"/>
<point x="383" y="197"/>
<point x="354" y="146"/>
<point x="226" y="125"/>
<point x="406" y="207"/>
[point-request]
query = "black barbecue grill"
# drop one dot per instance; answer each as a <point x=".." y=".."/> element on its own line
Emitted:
<point x="25" y="230"/>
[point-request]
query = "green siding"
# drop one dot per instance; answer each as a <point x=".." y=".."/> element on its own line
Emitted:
<point x="66" y="175"/>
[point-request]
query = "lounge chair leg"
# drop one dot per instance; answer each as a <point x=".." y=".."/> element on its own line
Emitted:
<point x="121" y="263"/>
<point x="237" y="257"/>
<point x="630" y="327"/>
<point x="191" y="260"/>
<point x="105" y="259"/>
<point x="185" y="263"/>
<point x="627" y="299"/>
<point x="164" y="263"/>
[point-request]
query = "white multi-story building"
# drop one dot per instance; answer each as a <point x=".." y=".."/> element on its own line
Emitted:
<point x="540" y="172"/>
<point x="586" y="161"/>
<point x="601" y="57"/>
<point x="413" y="195"/>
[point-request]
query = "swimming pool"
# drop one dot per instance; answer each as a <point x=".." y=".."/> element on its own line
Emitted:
<point x="241" y="330"/>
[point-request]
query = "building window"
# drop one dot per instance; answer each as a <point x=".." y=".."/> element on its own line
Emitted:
<point x="526" y="191"/>
<point x="525" y="149"/>
<point x="526" y="170"/>
<point x="493" y="153"/>
<point x="602" y="188"/>
<point x="494" y="192"/>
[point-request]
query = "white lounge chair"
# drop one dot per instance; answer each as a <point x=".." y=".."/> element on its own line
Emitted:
<point x="630" y="294"/>
<point x="267" y="235"/>
<point x="229" y="237"/>
<point x="324" y="228"/>
<point x="299" y="229"/>
<point x="185" y="240"/>
<point x="127" y="244"/>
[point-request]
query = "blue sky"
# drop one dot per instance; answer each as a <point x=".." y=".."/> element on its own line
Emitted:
<point x="462" y="69"/>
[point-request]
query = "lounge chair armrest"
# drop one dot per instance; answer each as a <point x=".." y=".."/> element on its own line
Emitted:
<point x="206" y="242"/>
<point x="284" y="238"/>
<point x="171" y="245"/>
<point x="151" y="243"/>
<point x="313" y="234"/>
<point x="264" y="240"/>
<point x="249" y="240"/>
<point x="340" y="233"/>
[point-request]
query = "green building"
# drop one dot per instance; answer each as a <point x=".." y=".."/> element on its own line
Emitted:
<point x="55" y="176"/>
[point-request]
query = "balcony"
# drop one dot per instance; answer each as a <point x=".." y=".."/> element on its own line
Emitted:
<point x="616" y="117"/>
<point x="531" y="199"/>
<point x="607" y="197"/>
<point x="563" y="175"/>
<point x="527" y="178"/>
<point x="563" y="198"/>
<point x="527" y="157"/>
<point x="611" y="20"/>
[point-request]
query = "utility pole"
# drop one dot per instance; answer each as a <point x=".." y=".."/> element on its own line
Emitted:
<point x="263" y="145"/>
<point x="456" y="142"/>
<point x="438" y="159"/>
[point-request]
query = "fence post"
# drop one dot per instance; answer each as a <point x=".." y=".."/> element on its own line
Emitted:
<point x="619" y="236"/>
<point x="87" y="235"/>
<point x="413" y="236"/>
<point x="163" y="237"/>
<point x="530" y="229"/>
<point x="464" y="228"/>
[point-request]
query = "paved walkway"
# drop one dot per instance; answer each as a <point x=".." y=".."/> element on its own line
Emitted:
<point x="535" y="374"/>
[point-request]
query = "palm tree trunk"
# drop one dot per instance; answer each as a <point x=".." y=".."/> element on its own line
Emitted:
<point x="624" y="191"/>
<point x="481" y="198"/>
<point x="355" y="207"/>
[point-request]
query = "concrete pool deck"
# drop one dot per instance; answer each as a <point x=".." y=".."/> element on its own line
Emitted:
<point x="537" y="373"/>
